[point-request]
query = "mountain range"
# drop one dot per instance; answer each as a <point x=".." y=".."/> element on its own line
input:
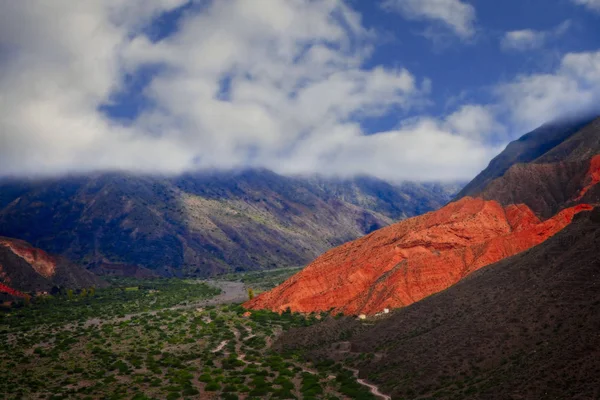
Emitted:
<point x="205" y="223"/>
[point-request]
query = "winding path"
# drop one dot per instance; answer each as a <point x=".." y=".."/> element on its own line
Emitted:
<point x="374" y="389"/>
<point x="220" y="346"/>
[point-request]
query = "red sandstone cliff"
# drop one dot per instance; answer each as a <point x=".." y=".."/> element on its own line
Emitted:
<point x="43" y="263"/>
<point x="11" y="291"/>
<point x="529" y="193"/>
<point x="24" y="268"/>
<point x="408" y="261"/>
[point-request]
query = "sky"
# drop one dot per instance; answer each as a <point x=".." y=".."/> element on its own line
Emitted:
<point x="420" y="90"/>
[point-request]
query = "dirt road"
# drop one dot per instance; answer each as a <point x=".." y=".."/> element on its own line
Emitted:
<point x="374" y="389"/>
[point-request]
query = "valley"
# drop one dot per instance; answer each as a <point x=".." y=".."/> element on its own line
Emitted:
<point x="162" y="339"/>
<point x="299" y="200"/>
<point x="491" y="296"/>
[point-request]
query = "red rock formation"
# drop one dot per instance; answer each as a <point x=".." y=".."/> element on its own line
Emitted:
<point x="42" y="262"/>
<point x="11" y="291"/>
<point x="28" y="269"/>
<point x="593" y="176"/>
<point x="410" y="260"/>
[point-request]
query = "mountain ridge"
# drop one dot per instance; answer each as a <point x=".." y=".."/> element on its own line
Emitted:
<point x="206" y="223"/>
<point x="527" y="149"/>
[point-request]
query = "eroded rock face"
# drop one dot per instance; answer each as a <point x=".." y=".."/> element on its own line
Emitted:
<point x="11" y="291"/>
<point x="408" y="261"/>
<point x="528" y="193"/>
<point x="27" y="269"/>
<point x="593" y="177"/>
<point x="43" y="263"/>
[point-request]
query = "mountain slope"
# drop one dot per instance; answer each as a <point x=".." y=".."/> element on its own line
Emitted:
<point x="525" y="150"/>
<point x="203" y="224"/>
<point x="24" y="268"/>
<point x="523" y="328"/>
<point x="555" y="179"/>
<point x="406" y="262"/>
<point x="415" y="258"/>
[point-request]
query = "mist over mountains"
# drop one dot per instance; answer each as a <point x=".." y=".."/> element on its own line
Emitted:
<point x="205" y="223"/>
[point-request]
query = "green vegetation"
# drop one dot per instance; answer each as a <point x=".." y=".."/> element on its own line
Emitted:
<point x="123" y="297"/>
<point x="157" y="342"/>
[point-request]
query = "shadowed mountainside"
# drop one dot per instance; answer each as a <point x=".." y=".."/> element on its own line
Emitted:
<point x="562" y="177"/>
<point x="203" y="224"/>
<point x="525" y="150"/>
<point x="523" y="328"/>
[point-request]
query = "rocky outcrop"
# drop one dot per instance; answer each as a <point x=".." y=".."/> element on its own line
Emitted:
<point x="10" y="291"/>
<point x="593" y="178"/>
<point x="24" y="268"/>
<point x="408" y="261"/>
<point x="40" y="261"/>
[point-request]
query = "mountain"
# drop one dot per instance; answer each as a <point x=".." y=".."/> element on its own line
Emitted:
<point x="415" y="258"/>
<point x="406" y="262"/>
<point x="203" y="224"/>
<point x="523" y="328"/>
<point x="24" y="269"/>
<point x="563" y="175"/>
<point x="524" y="150"/>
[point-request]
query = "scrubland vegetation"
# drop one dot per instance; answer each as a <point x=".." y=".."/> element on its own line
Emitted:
<point x="155" y="340"/>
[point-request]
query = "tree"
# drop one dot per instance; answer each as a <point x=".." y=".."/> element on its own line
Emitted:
<point x="250" y="293"/>
<point x="70" y="294"/>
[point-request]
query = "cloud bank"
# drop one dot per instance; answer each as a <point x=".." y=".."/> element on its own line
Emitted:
<point x="574" y="87"/>
<point x="285" y="86"/>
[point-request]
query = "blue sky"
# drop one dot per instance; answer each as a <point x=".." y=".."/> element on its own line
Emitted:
<point x="400" y="89"/>
<point x="471" y="66"/>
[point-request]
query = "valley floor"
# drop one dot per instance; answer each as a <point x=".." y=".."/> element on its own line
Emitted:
<point x="144" y="343"/>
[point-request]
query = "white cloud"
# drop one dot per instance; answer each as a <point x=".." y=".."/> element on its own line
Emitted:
<point x="427" y="148"/>
<point x="591" y="4"/>
<point x="574" y="87"/>
<point x="476" y="122"/>
<point x="529" y="39"/>
<point x="458" y="15"/>
<point x="522" y="40"/>
<point x="62" y="63"/>
<point x="282" y="86"/>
